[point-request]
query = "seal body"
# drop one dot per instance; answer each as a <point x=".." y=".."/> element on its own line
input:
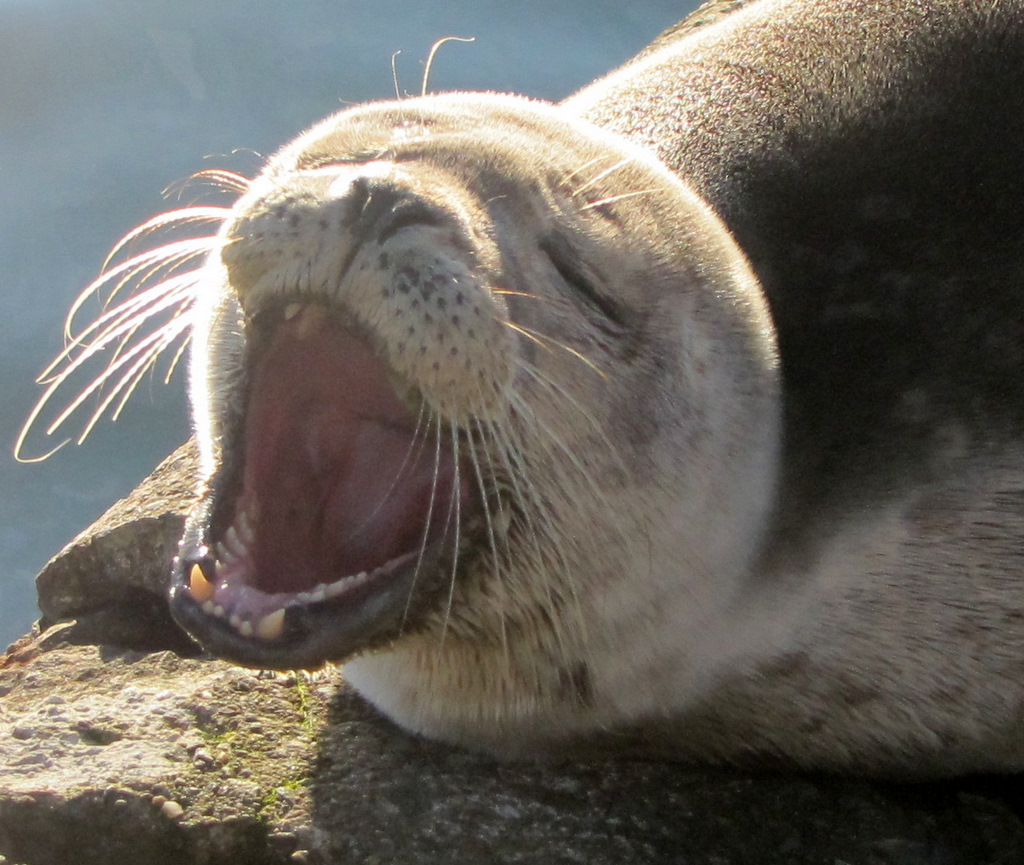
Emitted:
<point x="685" y="414"/>
<point x="868" y="161"/>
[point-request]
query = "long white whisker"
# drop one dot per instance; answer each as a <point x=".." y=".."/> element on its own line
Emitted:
<point x="168" y="255"/>
<point x="181" y="216"/>
<point x="565" y="180"/>
<point x="162" y="282"/>
<point x="426" y="524"/>
<point x="170" y="258"/>
<point x="532" y="503"/>
<point x="108" y="373"/>
<point x="491" y="534"/>
<point x="559" y="393"/>
<point x="127" y="316"/>
<point x="230" y="181"/>
<point x="611" y="199"/>
<point x="177" y="356"/>
<point x="130" y="380"/>
<point x="543" y="341"/>
<point x="433" y="53"/>
<point x="454" y="509"/>
<point x="118" y="326"/>
<point x="171" y="331"/>
<point x="597" y="178"/>
<point x="119" y="323"/>
<point x="97" y="383"/>
<point x="394" y="74"/>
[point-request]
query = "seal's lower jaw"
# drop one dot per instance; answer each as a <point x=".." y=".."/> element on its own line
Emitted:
<point x="296" y="633"/>
<point x="323" y="535"/>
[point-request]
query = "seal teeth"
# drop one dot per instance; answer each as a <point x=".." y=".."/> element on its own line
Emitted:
<point x="313" y="595"/>
<point x="323" y="591"/>
<point x="271" y="625"/>
<point x="292" y="310"/>
<point x="336" y="588"/>
<point x="201" y="588"/>
<point x="310" y="320"/>
<point x="232" y="543"/>
<point x="243" y="626"/>
<point x="245" y="529"/>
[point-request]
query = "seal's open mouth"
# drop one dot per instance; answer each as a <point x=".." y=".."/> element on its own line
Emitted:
<point x="341" y="508"/>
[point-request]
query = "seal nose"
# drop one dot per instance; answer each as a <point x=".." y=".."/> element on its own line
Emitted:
<point x="303" y="236"/>
<point x="378" y="205"/>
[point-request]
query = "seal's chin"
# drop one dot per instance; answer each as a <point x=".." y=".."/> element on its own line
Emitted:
<point x="329" y="530"/>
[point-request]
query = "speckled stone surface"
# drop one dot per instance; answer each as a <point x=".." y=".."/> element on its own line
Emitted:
<point x="110" y="754"/>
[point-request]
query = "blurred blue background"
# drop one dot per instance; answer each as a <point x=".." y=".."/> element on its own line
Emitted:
<point x="103" y="103"/>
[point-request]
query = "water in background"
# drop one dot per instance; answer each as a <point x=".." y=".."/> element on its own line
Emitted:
<point x="103" y="103"/>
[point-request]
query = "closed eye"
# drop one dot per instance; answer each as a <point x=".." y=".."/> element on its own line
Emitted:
<point x="566" y="262"/>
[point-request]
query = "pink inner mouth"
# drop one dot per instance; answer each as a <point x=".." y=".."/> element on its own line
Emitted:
<point x="337" y="479"/>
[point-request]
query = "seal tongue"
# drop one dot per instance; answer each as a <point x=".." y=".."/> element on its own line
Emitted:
<point x="336" y="481"/>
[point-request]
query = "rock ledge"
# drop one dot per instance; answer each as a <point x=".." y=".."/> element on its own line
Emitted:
<point x="116" y="746"/>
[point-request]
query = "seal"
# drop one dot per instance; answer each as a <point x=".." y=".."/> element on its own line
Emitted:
<point x="683" y="415"/>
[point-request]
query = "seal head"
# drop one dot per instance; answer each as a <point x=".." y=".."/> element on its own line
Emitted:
<point x="443" y="345"/>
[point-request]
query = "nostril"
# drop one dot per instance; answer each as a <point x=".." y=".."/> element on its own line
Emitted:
<point x="357" y="196"/>
<point x="407" y="213"/>
<point x="379" y="207"/>
<point x="368" y="199"/>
